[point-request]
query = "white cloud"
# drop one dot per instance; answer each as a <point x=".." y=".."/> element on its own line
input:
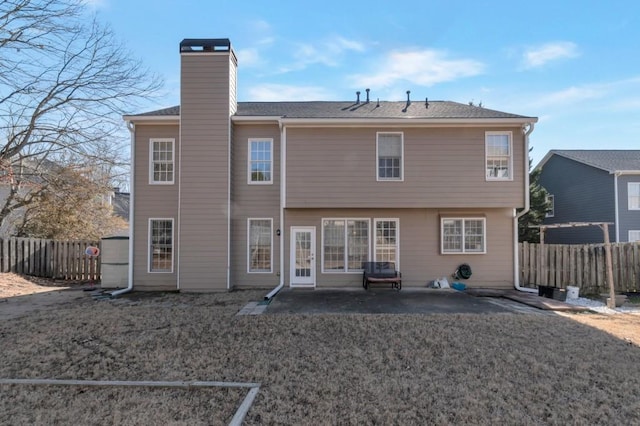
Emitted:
<point x="422" y="67"/>
<point x="541" y="55"/>
<point x="328" y="52"/>
<point x="283" y="92"/>
<point x="248" y="57"/>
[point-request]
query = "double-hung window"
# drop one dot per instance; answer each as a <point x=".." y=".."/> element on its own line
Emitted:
<point x="551" y="206"/>
<point x="345" y="244"/>
<point x="386" y="241"/>
<point x="499" y="156"/>
<point x="389" y="152"/>
<point x="463" y="235"/>
<point x="259" y="245"/>
<point x="634" y="236"/>
<point x="160" y="245"/>
<point x="634" y="195"/>
<point x="161" y="160"/>
<point x="260" y="161"/>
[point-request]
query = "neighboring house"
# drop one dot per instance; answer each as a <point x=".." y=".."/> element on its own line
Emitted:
<point x="592" y="186"/>
<point x="229" y="194"/>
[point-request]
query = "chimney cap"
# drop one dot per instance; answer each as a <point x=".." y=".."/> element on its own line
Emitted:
<point x="205" y="45"/>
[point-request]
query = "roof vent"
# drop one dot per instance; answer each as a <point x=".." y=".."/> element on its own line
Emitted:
<point x="408" y="101"/>
<point x="367" y="90"/>
<point x="426" y="103"/>
<point x="378" y="103"/>
<point x="358" y="97"/>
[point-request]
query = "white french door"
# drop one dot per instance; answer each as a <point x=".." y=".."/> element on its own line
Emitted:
<point x="303" y="256"/>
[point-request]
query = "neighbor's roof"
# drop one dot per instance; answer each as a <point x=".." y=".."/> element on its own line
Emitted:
<point x="337" y="110"/>
<point x="610" y="160"/>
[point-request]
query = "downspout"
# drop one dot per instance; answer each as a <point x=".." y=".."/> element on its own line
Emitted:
<point x="517" y="216"/>
<point x="283" y="187"/>
<point x="132" y="131"/>
<point x="617" y="211"/>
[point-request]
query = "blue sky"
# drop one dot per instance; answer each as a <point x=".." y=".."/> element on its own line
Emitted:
<point x="575" y="67"/>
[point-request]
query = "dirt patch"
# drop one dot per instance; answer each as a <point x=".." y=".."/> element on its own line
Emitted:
<point x="320" y="369"/>
<point x="21" y="295"/>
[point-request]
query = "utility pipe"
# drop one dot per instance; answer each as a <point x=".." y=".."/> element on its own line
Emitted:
<point x="517" y="216"/>
<point x="132" y="131"/>
<point x="283" y="188"/>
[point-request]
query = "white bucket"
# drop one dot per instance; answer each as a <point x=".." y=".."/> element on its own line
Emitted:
<point x="573" y="292"/>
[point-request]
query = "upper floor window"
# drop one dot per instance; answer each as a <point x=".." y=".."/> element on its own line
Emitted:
<point x="260" y="161"/>
<point x="634" y="236"/>
<point x="463" y="235"/>
<point x="499" y="156"/>
<point x="160" y="245"/>
<point x="551" y="206"/>
<point x="634" y="195"/>
<point x="161" y="160"/>
<point x="389" y="152"/>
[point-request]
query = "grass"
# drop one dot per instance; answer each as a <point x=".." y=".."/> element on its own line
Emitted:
<point x="315" y="369"/>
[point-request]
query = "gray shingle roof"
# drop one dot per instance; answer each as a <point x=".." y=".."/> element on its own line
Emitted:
<point x="416" y="109"/>
<point x="606" y="159"/>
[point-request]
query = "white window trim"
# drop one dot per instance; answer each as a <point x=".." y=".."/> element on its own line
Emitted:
<point x="249" y="271"/>
<point x="263" y="182"/>
<point x="486" y="156"/>
<point x="173" y="245"/>
<point x="551" y="199"/>
<point x="346" y="260"/>
<point x="629" y="235"/>
<point x="378" y="178"/>
<point x="463" y="251"/>
<point x="173" y="156"/>
<point x="375" y="245"/>
<point x="629" y="184"/>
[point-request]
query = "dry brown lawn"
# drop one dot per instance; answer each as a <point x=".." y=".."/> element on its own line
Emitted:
<point x="315" y="369"/>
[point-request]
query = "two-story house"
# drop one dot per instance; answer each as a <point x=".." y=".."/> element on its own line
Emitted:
<point x="229" y="194"/>
<point x="592" y="186"/>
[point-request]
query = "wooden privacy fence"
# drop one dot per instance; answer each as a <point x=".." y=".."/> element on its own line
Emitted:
<point x="583" y="266"/>
<point x="65" y="260"/>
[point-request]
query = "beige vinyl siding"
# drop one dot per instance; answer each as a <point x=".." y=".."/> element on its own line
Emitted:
<point x="443" y="168"/>
<point x="203" y="240"/>
<point x="152" y="201"/>
<point x="253" y="201"/>
<point x="420" y="257"/>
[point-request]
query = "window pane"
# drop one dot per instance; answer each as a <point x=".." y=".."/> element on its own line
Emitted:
<point x="162" y="161"/>
<point x="334" y="245"/>
<point x="389" y="155"/>
<point x="474" y="235"/>
<point x="452" y="235"/>
<point x="357" y="243"/>
<point x="161" y="245"/>
<point x="386" y="241"/>
<point x="634" y="196"/>
<point x="498" y="156"/>
<point x="259" y="245"/>
<point x="260" y="161"/>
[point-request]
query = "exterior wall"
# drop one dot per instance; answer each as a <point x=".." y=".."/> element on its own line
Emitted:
<point x="253" y="201"/>
<point x="629" y="220"/>
<point x="420" y="259"/>
<point x="581" y="194"/>
<point x="153" y="201"/>
<point x="204" y="181"/>
<point x="443" y="168"/>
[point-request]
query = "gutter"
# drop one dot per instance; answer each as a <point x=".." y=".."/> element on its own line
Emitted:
<point x="517" y="216"/>
<point x="132" y="131"/>
<point x="283" y="188"/>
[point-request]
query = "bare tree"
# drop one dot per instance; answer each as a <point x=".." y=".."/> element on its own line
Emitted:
<point x="65" y="82"/>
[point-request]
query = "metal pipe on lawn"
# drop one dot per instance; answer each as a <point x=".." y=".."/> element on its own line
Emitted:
<point x="132" y="131"/>
<point x="283" y="187"/>
<point x="517" y="216"/>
